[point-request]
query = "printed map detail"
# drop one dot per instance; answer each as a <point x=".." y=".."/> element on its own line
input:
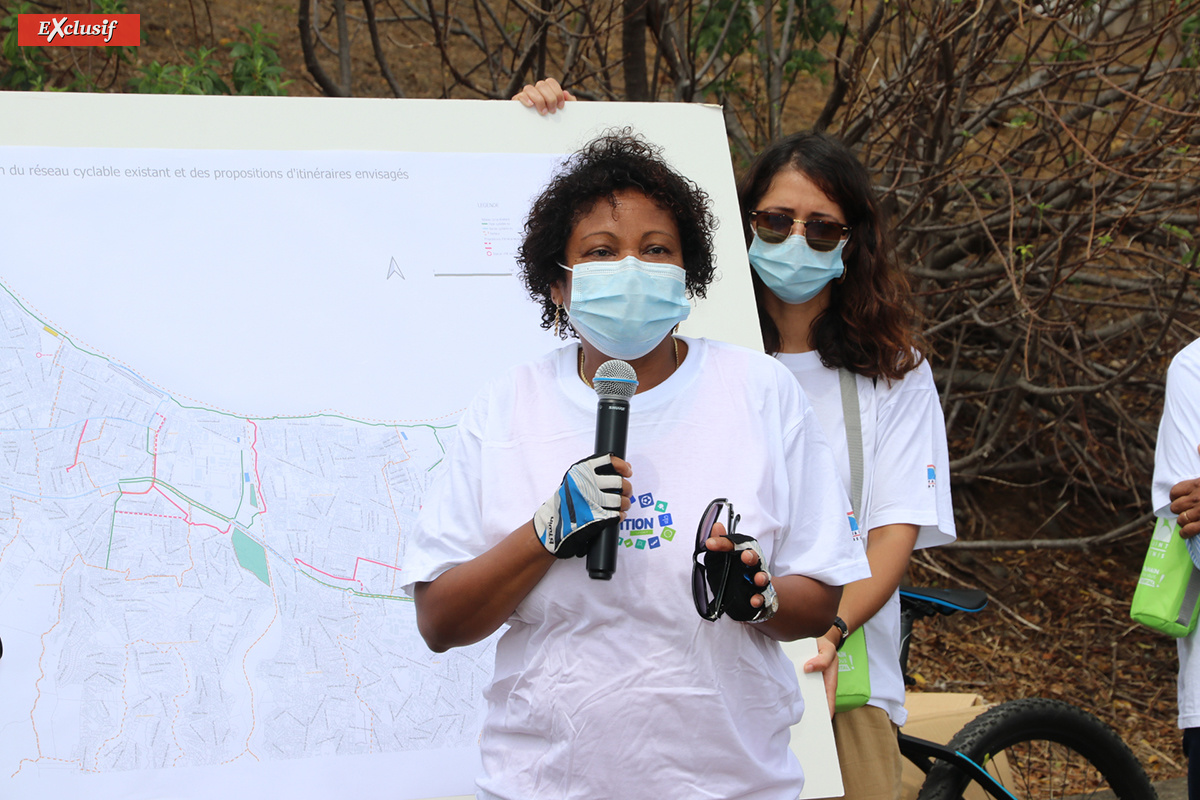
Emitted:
<point x="199" y="589"/>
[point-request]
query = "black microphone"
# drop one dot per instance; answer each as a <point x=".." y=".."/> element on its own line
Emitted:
<point x="615" y="382"/>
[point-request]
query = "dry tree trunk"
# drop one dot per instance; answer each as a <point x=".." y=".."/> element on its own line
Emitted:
<point x="1041" y="160"/>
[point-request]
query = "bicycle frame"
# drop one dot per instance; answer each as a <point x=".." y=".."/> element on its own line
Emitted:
<point x="917" y="604"/>
<point x="922" y="752"/>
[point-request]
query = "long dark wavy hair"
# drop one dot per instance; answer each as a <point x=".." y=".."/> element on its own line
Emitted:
<point x="615" y="161"/>
<point x="870" y="326"/>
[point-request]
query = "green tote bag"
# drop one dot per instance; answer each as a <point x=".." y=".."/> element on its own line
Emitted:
<point x="1167" y="597"/>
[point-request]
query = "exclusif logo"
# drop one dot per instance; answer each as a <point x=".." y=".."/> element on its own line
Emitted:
<point x="79" y="30"/>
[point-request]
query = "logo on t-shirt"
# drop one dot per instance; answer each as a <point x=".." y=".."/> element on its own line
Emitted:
<point x="647" y="525"/>
<point x="931" y="476"/>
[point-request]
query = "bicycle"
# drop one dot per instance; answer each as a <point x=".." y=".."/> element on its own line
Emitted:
<point x="1026" y="749"/>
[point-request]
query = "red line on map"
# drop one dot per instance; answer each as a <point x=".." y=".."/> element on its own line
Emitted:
<point x="148" y="514"/>
<point x="327" y="574"/>
<point x="154" y="464"/>
<point x="257" y="477"/>
<point x="354" y="578"/>
<point x="371" y="561"/>
<point x="77" y="446"/>
<point x="187" y="515"/>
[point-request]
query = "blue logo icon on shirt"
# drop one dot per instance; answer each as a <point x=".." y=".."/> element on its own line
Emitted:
<point x="650" y="532"/>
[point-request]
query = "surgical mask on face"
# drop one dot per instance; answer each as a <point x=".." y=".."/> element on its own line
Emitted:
<point x="794" y="271"/>
<point x="624" y="308"/>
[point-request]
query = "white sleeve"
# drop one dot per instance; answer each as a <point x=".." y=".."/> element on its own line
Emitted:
<point x="1175" y="456"/>
<point x="449" y="529"/>
<point x="911" y="484"/>
<point x="819" y="542"/>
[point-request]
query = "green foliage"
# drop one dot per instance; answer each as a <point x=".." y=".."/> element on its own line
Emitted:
<point x="804" y="60"/>
<point x="759" y="52"/>
<point x="198" y="77"/>
<point x="1175" y="230"/>
<point x="713" y="18"/>
<point x="256" y="66"/>
<point x="817" y="19"/>
<point x="1022" y="120"/>
<point x="256" y="70"/>
<point x="22" y="68"/>
<point x="1190" y="33"/>
<point x="811" y="23"/>
<point x="39" y="69"/>
<point x="1070" y="50"/>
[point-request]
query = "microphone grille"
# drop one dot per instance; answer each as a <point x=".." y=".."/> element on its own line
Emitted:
<point x="615" y="380"/>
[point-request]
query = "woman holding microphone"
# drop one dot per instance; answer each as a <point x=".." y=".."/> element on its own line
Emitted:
<point x="835" y="309"/>
<point x="619" y="688"/>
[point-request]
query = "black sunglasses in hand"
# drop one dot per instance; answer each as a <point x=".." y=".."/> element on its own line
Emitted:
<point x="708" y="591"/>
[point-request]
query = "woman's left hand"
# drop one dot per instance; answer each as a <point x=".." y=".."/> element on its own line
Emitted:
<point x="826" y="660"/>
<point x="804" y="605"/>
<point x="718" y="542"/>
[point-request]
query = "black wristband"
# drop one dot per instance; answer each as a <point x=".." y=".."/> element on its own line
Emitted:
<point x="840" y="624"/>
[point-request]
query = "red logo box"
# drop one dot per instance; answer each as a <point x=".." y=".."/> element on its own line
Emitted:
<point x="79" y="30"/>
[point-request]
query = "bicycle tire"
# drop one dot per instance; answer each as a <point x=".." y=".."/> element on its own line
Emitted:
<point x="1051" y="750"/>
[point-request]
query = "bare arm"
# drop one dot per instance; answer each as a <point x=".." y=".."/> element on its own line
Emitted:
<point x="888" y="550"/>
<point x="470" y="601"/>
<point x="805" y="608"/>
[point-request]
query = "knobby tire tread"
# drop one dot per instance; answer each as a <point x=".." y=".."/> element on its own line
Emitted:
<point x="1041" y="719"/>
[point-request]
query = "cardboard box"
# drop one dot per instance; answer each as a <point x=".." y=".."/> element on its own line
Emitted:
<point x="937" y="716"/>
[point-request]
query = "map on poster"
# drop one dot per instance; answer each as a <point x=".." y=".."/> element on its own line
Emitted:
<point x="203" y="490"/>
<point x="235" y="338"/>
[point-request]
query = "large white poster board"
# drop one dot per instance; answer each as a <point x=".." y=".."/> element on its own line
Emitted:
<point x="234" y="338"/>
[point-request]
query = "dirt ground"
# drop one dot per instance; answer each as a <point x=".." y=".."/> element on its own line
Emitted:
<point x="1058" y="624"/>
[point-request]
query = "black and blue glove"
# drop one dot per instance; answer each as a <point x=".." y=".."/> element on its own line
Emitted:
<point x="590" y="495"/>
<point x="740" y="587"/>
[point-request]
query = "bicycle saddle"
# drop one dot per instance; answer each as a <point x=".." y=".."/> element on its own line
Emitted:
<point x="946" y="601"/>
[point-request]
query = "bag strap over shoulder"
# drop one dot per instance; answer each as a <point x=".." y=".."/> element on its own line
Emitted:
<point x="854" y="677"/>
<point x="853" y="419"/>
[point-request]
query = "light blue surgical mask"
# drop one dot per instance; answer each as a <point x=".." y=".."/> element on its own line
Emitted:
<point x="794" y="271"/>
<point x="624" y="308"/>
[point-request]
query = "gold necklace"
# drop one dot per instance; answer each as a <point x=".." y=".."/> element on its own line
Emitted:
<point x="674" y="341"/>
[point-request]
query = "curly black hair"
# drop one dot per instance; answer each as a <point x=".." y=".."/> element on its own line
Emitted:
<point x="614" y="161"/>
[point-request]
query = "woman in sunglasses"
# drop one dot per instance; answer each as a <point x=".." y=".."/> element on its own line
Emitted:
<point x="619" y="688"/>
<point x="835" y="309"/>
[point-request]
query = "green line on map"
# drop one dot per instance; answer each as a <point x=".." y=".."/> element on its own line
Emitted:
<point x="111" y="527"/>
<point x="241" y="483"/>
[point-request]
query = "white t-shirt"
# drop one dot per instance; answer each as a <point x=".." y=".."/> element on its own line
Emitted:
<point x="1175" y="460"/>
<point x="618" y="689"/>
<point x="906" y="479"/>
